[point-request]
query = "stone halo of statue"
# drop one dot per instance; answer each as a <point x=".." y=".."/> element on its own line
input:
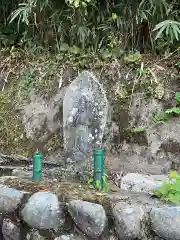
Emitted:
<point x="85" y="109"/>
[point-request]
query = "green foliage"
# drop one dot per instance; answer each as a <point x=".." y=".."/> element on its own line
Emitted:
<point x="97" y="185"/>
<point x="99" y="26"/>
<point x="170" y="190"/>
<point x="139" y="129"/>
<point x="8" y="35"/>
<point x="133" y="57"/>
<point x="177" y="64"/>
<point x="168" y="29"/>
<point x="22" y="13"/>
<point x="175" y="110"/>
<point x="178" y="97"/>
<point x="36" y="77"/>
<point x="161" y="117"/>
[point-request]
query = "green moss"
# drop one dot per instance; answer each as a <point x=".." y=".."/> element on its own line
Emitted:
<point x="54" y="143"/>
<point x="11" y="129"/>
<point x="133" y="57"/>
<point x="121" y="93"/>
<point x="39" y="77"/>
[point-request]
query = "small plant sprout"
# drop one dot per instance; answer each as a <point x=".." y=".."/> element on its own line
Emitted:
<point x="170" y="189"/>
<point x="161" y="117"/>
<point x="97" y="184"/>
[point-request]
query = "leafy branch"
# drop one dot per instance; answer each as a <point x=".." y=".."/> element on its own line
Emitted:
<point x="161" y="117"/>
<point x="170" y="190"/>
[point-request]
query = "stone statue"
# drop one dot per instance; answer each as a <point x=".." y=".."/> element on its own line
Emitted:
<point x="85" y="109"/>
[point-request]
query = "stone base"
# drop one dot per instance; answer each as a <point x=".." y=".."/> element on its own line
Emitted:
<point x="70" y="211"/>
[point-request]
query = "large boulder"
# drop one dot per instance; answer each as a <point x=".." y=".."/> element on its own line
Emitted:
<point x="10" y="199"/>
<point x="43" y="211"/>
<point x="9" y="230"/>
<point x="43" y="118"/>
<point x="89" y="217"/>
<point x="165" y="222"/>
<point x="143" y="146"/>
<point x="34" y="235"/>
<point x="70" y="237"/>
<point x="142" y="183"/>
<point x="128" y="221"/>
<point x="164" y="139"/>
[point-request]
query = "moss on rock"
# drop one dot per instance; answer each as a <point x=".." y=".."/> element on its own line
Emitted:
<point x="11" y="129"/>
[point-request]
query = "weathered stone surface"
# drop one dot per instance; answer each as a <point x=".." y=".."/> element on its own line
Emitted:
<point x="150" y="151"/>
<point x="43" y="118"/>
<point x="165" y="222"/>
<point x="22" y="173"/>
<point x="9" y="230"/>
<point x="128" y="220"/>
<point x="134" y="152"/>
<point x="115" y="177"/>
<point x="142" y="110"/>
<point x="153" y="149"/>
<point x="141" y="182"/>
<point x="136" y="198"/>
<point x="112" y="238"/>
<point x="89" y="217"/>
<point x="85" y="110"/>
<point x="70" y="237"/>
<point x="165" y="139"/>
<point x="42" y="211"/>
<point x="10" y="198"/>
<point x="34" y="235"/>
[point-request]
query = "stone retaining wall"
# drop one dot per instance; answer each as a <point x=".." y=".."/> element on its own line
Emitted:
<point x="41" y="216"/>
